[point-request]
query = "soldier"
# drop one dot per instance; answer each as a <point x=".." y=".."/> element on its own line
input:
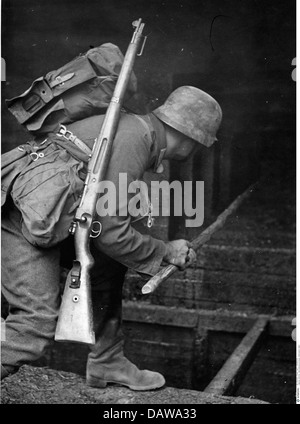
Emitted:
<point x="30" y="279"/>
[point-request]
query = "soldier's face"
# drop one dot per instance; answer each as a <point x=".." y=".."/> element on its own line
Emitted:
<point x="185" y="149"/>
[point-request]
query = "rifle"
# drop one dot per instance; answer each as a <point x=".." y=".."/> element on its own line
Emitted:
<point x="75" y="321"/>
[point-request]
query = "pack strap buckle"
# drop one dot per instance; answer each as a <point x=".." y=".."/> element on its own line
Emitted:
<point x="68" y="135"/>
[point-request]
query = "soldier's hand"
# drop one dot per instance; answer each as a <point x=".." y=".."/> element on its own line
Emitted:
<point x="179" y="253"/>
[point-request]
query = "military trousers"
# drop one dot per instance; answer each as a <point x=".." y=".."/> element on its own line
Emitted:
<point x="31" y="285"/>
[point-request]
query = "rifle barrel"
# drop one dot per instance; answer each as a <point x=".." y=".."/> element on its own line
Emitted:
<point x="75" y="322"/>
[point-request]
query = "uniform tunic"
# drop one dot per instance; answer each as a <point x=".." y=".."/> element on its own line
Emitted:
<point x="30" y="275"/>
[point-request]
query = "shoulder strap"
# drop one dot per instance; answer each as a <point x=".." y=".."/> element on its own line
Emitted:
<point x="145" y="125"/>
<point x="68" y="135"/>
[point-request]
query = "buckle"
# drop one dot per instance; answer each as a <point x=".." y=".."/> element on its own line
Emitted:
<point x="35" y="156"/>
<point x="63" y="132"/>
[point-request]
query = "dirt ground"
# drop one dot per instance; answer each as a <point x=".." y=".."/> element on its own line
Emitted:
<point x="32" y="385"/>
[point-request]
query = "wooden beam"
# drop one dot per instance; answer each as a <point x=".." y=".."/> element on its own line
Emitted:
<point x="228" y="379"/>
<point x="203" y="319"/>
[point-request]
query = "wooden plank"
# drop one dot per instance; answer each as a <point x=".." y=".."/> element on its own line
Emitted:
<point x="232" y="291"/>
<point x="205" y="320"/>
<point x="235" y="368"/>
<point x="260" y="260"/>
<point x="154" y="314"/>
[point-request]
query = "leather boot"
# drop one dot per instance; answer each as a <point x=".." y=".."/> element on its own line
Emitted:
<point x="106" y="362"/>
<point x="7" y="370"/>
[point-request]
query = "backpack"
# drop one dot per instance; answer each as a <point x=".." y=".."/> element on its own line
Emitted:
<point x="79" y="89"/>
<point x="45" y="181"/>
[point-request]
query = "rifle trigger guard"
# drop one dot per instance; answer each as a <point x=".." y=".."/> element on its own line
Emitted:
<point x="96" y="233"/>
<point x="75" y="275"/>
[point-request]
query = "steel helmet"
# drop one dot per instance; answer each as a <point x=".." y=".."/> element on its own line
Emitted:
<point x="192" y="112"/>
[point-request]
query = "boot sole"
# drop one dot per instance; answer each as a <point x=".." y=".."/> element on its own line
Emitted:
<point x="101" y="384"/>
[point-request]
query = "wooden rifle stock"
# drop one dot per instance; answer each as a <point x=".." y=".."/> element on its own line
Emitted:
<point x="75" y="321"/>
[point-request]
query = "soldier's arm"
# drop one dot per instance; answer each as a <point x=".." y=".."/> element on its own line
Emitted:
<point x="119" y="239"/>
